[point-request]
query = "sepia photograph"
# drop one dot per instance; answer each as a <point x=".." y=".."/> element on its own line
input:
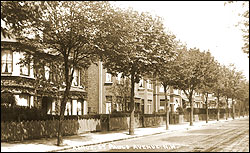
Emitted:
<point x="124" y="76"/>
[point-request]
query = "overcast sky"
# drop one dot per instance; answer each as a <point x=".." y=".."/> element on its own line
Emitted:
<point x="207" y="25"/>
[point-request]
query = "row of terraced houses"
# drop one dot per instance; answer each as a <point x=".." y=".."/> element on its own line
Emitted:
<point x="90" y="92"/>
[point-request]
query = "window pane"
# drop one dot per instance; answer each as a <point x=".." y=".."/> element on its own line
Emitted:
<point x="161" y="88"/>
<point x="24" y="70"/>
<point x="149" y="84"/>
<point x="23" y="100"/>
<point x="79" y="108"/>
<point x="47" y="70"/>
<point x="108" y="77"/>
<point x="75" y="80"/>
<point x="6" y="61"/>
<point x="4" y="68"/>
<point x="108" y="107"/>
<point x="9" y="65"/>
<point x="68" y="108"/>
<point x="119" y="77"/>
<point x="141" y="84"/>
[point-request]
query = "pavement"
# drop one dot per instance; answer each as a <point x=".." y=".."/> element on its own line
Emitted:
<point x="88" y="139"/>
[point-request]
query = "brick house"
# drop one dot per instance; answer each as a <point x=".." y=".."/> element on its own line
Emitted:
<point x="20" y="80"/>
<point x="149" y="94"/>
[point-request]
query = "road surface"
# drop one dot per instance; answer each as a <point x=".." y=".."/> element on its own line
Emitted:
<point x="228" y="136"/>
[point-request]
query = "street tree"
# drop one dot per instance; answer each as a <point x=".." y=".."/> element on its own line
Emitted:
<point x="218" y="89"/>
<point x="227" y="92"/>
<point x="243" y="97"/>
<point x="210" y="79"/>
<point x="236" y="78"/>
<point x="190" y="70"/>
<point x="66" y="30"/>
<point x="134" y="39"/>
<point x="163" y="67"/>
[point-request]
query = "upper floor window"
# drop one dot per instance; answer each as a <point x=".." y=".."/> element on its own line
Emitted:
<point x="141" y="83"/>
<point x="108" y="77"/>
<point x="7" y="61"/>
<point x="76" y="77"/>
<point x="47" y="72"/>
<point x="119" y="76"/>
<point x="161" y="88"/>
<point x="24" y="68"/>
<point x="149" y="84"/>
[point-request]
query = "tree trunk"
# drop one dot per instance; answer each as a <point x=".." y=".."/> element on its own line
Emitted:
<point x="206" y="94"/>
<point x="132" y="106"/>
<point x="227" y="109"/>
<point x="192" y="110"/>
<point x="233" y="109"/>
<point x="61" y="118"/>
<point x="68" y="81"/>
<point x="166" y="107"/>
<point x="218" y="107"/>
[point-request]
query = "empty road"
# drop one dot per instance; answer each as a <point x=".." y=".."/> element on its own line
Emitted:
<point x="228" y="136"/>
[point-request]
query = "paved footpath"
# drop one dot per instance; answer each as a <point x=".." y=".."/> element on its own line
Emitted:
<point x="88" y="139"/>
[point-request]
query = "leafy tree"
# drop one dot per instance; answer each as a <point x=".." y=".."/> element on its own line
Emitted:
<point x="66" y="30"/>
<point x="244" y="23"/>
<point x="235" y="84"/>
<point x="163" y="67"/>
<point x="243" y="95"/>
<point x="15" y="14"/>
<point x="210" y="79"/>
<point x="218" y="89"/>
<point x="134" y="39"/>
<point x="232" y="86"/>
<point x="190" y="71"/>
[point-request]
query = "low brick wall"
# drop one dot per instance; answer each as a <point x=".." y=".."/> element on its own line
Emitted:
<point x="202" y="117"/>
<point x="118" y="123"/>
<point x="150" y="121"/>
<point x="176" y="119"/>
<point x="87" y="125"/>
<point x="187" y="117"/>
<point x="18" y="131"/>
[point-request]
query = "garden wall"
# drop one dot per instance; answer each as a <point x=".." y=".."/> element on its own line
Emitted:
<point x="18" y="131"/>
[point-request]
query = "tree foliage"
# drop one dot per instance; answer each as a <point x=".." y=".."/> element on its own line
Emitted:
<point x="243" y="23"/>
<point x="190" y="70"/>
<point x="135" y="47"/>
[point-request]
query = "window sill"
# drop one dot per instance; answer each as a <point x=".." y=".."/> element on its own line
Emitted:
<point x="150" y="90"/>
<point x="141" y="89"/>
<point x="108" y="83"/>
<point x="6" y="74"/>
<point x="26" y="75"/>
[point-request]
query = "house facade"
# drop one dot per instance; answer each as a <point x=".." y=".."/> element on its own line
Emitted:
<point x="20" y="80"/>
<point x="149" y="94"/>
